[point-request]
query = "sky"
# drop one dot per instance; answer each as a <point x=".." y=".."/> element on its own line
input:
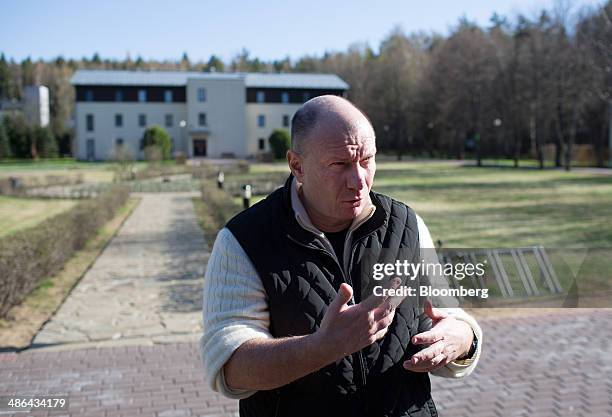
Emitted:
<point x="268" y="29"/>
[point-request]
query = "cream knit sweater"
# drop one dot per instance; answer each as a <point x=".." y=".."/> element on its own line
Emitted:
<point x="235" y="308"/>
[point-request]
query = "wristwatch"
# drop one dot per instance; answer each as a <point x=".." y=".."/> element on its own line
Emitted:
<point x="472" y="350"/>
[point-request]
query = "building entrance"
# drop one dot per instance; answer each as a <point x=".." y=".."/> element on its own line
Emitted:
<point x="199" y="147"/>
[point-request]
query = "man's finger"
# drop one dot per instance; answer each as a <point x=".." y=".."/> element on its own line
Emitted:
<point x="427" y="338"/>
<point x="428" y="353"/>
<point x="345" y="292"/>
<point x="374" y="301"/>
<point x="434" y="313"/>
<point x="383" y="310"/>
<point x="381" y="333"/>
<point x="426" y="366"/>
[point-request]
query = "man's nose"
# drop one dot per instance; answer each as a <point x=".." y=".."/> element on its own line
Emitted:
<point x="357" y="178"/>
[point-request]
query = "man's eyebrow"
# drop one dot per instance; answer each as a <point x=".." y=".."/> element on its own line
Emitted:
<point x="348" y="158"/>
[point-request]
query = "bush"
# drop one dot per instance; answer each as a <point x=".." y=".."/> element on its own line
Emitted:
<point x="31" y="255"/>
<point x="5" y="149"/>
<point x="19" y="136"/>
<point x="156" y="143"/>
<point x="280" y="142"/>
<point x="219" y="207"/>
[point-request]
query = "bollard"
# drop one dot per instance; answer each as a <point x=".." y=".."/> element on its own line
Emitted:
<point x="246" y="196"/>
<point x="220" y="179"/>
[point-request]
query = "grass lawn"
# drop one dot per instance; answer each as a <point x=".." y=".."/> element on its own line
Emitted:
<point x="21" y="213"/>
<point x="501" y="207"/>
<point x="91" y="171"/>
<point x="493" y="207"/>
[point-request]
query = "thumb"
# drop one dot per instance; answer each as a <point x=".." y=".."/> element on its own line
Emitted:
<point x="434" y="313"/>
<point x="345" y="292"/>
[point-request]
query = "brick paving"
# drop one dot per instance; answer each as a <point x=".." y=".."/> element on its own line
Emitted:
<point x="540" y="366"/>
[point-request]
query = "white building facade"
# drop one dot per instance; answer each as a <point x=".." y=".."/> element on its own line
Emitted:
<point x="206" y="114"/>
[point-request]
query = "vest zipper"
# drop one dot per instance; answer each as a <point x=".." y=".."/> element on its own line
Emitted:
<point x="345" y="276"/>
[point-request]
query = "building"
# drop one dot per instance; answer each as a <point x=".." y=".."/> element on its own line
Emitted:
<point x="34" y="105"/>
<point x="206" y="114"/>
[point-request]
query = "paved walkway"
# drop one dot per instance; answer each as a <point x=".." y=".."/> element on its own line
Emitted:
<point x="546" y="366"/>
<point x="146" y="285"/>
<point x="125" y="342"/>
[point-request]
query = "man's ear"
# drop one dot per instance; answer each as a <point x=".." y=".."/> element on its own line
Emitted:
<point x="295" y="164"/>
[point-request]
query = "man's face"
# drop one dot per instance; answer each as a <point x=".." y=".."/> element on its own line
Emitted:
<point x="337" y="171"/>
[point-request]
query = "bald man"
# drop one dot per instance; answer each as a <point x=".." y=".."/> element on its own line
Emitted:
<point x="289" y="327"/>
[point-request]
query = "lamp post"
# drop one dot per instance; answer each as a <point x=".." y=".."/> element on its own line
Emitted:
<point x="246" y="196"/>
<point x="220" y="179"/>
<point x="497" y="124"/>
<point x="182" y="125"/>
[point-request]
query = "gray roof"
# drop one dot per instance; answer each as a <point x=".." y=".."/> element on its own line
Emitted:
<point x="179" y="78"/>
<point x="294" y="80"/>
<point x="162" y="78"/>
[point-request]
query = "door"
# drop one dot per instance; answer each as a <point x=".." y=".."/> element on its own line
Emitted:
<point x="91" y="149"/>
<point x="199" y="147"/>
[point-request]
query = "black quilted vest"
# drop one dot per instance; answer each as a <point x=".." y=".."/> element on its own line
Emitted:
<point x="301" y="276"/>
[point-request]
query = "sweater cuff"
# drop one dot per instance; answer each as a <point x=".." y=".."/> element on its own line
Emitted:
<point x="462" y="368"/>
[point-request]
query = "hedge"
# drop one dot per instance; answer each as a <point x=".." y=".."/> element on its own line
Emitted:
<point x="28" y="256"/>
<point x="220" y="207"/>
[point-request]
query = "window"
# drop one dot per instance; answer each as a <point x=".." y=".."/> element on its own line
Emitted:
<point x="285" y="120"/>
<point x="261" y="96"/>
<point x="261" y="120"/>
<point x="169" y="120"/>
<point x="119" y="142"/>
<point x="262" y="144"/>
<point x="142" y="120"/>
<point x="142" y="96"/>
<point x="201" y="94"/>
<point x="118" y="95"/>
<point x="88" y="95"/>
<point x="285" y="97"/>
<point x="118" y="120"/>
<point x="168" y="96"/>
<point x="202" y="119"/>
<point x="306" y="96"/>
<point x="89" y="121"/>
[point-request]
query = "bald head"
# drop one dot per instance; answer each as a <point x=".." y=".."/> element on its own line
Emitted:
<point x="327" y="113"/>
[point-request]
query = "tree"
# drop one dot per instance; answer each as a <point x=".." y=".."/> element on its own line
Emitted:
<point x="156" y="141"/>
<point x="214" y="65"/>
<point x="19" y="135"/>
<point x="46" y="144"/>
<point x="5" y="149"/>
<point x="594" y="34"/>
<point x="462" y="72"/>
<point x="280" y="142"/>
<point x="185" y="64"/>
<point x="5" y="78"/>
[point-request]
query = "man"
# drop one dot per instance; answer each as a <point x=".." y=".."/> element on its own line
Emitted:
<point x="288" y="327"/>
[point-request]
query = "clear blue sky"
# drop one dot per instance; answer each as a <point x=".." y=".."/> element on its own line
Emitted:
<point x="269" y="29"/>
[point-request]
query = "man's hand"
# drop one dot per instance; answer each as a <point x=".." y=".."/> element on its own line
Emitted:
<point x="448" y="340"/>
<point x="347" y="329"/>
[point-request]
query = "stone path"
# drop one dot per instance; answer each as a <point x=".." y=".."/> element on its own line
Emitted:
<point x="544" y="366"/>
<point x="146" y="285"/>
